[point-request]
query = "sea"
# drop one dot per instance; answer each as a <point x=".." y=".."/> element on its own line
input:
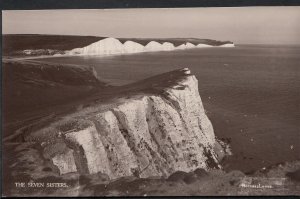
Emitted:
<point x="251" y="94"/>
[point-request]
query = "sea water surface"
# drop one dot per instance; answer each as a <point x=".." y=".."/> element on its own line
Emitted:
<point x="251" y="94"/>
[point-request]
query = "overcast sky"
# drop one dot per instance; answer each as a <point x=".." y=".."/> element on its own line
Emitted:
<point x="261" y="25"/>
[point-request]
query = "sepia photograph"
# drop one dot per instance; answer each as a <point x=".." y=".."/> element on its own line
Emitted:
<point x="201" y="101"/>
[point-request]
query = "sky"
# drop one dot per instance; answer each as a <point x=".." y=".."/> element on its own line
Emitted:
<point x="242" y="25"/>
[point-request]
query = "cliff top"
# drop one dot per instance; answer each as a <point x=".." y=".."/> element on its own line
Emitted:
<point x="81" y="87"/>
<point x="111" y="96"/>
<point x="158" y="83"/>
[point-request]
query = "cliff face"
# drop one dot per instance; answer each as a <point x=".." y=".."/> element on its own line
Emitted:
<point x="227" y="45"/>
<point x="38" y="45"/>
<point x="156" y="131"/>
<point x="111" y="46"/>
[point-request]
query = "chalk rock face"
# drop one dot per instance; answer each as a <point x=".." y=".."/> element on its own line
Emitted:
<point x="181" y="47"/>
<point x="106" y="46"/>
<point x="65" y="162"/>
<point x="203" y="46"/>
<point x="189" y="45"/>
<point x="132" y="47"/>
<point x="159" y="129"/>
<point x="168" y="46"/>
<point x="227" y="45"/>
<point x="75" y="51"/>
<point x="112" y="46"/>
<point x="153" y="46"/>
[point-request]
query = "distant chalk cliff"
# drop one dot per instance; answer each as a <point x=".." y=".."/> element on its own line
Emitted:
<point x="31" y="45"/>
<point x="158" y="128"/>
<point x="112" y="46"/>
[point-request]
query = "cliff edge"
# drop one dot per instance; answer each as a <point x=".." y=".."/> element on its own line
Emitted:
<point x="155" y="127"/>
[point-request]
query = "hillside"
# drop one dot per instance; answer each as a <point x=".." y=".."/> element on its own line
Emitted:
<point x="33" y="90"/>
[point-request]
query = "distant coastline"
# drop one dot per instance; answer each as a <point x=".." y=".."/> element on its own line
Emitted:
<point x="30" y="45"/>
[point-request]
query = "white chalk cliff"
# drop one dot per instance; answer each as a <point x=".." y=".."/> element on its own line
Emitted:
<point x="227" y="45"/>
<point x="159" y="127"/>
<point x="132" y="47"/>
<point x="189" y="45"/>
<point x="112" y="46"/>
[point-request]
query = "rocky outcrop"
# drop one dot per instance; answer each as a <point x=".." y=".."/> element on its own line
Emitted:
<point x="112" y="46"/>
<point x="158" y="128"/>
